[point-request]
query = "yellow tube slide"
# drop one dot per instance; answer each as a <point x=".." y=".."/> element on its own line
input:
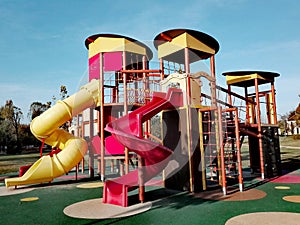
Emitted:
<point x="46" y="127"/>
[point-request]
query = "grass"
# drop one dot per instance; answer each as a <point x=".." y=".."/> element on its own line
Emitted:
<point x="12" y="163"/>
<point x="290" y="155"/>
<point x="289" y="141"/>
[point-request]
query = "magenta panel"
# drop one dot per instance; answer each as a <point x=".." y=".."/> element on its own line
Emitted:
<point x="94" y="67"/>
<point x="112" y="147"/>
<point x="112" y="61"/>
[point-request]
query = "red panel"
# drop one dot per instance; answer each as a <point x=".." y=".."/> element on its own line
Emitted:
<point x="94" y="67"/>
<point x="23" y="170"/>
<point x="112" y="61"/>
<point x="115" y="193"/>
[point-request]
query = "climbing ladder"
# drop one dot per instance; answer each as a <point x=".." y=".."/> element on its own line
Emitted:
<point x="230" y="152"/>
<point x="208" y="145"/>
<point x="220" y="146"/>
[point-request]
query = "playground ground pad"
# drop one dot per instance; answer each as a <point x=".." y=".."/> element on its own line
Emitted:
<point x="70" y="201"/>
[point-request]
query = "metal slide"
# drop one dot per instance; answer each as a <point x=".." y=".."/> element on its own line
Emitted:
<point x="128" y="131"/>
<point x="46" y="128"/>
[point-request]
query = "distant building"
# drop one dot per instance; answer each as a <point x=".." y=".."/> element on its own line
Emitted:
<point x="291" y="125"/>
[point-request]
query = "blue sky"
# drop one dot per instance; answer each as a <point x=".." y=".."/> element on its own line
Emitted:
<point x="42" y="42"/>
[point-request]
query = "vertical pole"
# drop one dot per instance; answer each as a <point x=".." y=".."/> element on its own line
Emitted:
<point x="79" y="134"/>
<point x="247" y="107"/>
<point x="125" y="84"/>
<point x="125" y="107"/>
<point x="261" y="155"/>
<point x="274" y="102"/>
<point x="82" y="127"/>
<point x="141" y="162"/>
<point x="219" y="144"/>
<point x="146" y="95"/>
<point x="162" y="73"/>
<point x="188" y="117"/>
<point x="83" y="136"/>
<point x="101" y="117"/>
<point x="229" y="95"/>
<point x="216" y="113"/>
<point x="221" y="153"/>
<point x="99" y="157"/>
<point x="141" y="165"/>
<point x="269" y="108"/>
<point x="238" y="146"/>
<point x="114" y="91"/>
<point x="41" y="147"/>
<point x="231" y="116"/>
<point x="91" y="152"/>
<point x="213" y="83"/>
<point x="202" y="151"/>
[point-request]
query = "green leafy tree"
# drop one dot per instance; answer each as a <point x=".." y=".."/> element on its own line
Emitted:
<point x="63" y="95"/>
<point x="13" y="115"/>
<point x="26" y="137"/>
<point x="297" y="113"/>
<point x="63" y="92"/>
<point x="7" y="137"/>
<point x="37" y="108"/>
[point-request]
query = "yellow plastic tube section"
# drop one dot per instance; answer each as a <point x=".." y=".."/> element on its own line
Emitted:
<point x="46" y="127"/>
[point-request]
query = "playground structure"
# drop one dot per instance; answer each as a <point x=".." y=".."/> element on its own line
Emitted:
<point x="201" y="134"/>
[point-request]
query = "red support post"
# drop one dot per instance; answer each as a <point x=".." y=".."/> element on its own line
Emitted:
<point x="261" y="154"/>
<point x="101" y="119"/>
<point x="222" y="156"/>
<point x="42" y="146"/>
<point x="274" y="102"/>
<point x="238" y="146"/>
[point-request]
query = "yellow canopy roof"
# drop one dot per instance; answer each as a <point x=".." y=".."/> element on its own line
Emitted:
<point x="116" y="43"/>
<point x="247" y="78"/>
<point x="171" y="45"/>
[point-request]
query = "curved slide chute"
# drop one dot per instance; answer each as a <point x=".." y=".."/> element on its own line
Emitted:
<point x="128" y="131"/>
<point x="46" y="128"/>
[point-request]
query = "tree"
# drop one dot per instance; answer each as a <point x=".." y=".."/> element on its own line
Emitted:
<point x="63" y="95"/>
<point x="7" y="138"/>
<point x="13" y="115"/>
<point x="37" y="108"/>
<point x="26" y="137"/>
<point x="63" y="92"/>
<point x="283" y="125"/>
<point x="297" y="112"/>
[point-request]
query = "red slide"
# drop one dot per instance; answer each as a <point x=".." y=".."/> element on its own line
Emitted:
<point x="128" y="131"/>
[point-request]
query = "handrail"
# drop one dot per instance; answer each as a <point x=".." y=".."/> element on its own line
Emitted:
<point x="235" y="94"/>
<point x="139" y="71"/>
<point x="219" y="101"/>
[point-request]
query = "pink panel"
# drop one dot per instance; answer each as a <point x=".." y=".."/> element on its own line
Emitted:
<point x="112" y="61"/>
<point x="112" y="147"/>
<point x="94" y="67"/>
